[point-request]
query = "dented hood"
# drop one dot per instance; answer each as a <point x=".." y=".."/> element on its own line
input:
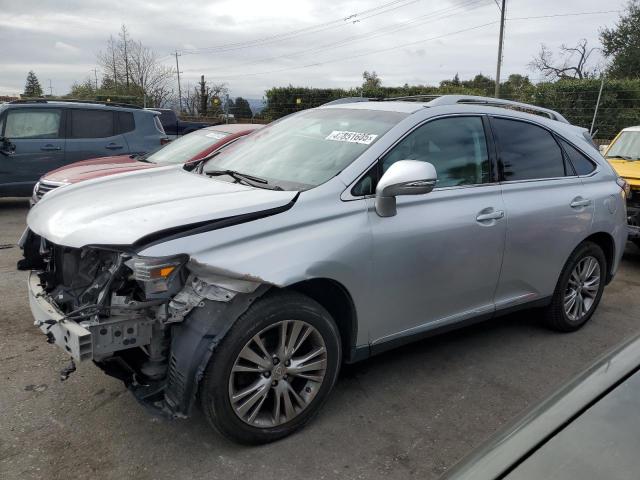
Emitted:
<point x="121" y="209"/>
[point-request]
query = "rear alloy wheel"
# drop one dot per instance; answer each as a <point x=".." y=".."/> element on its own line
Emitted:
<point x="273" y="370"/>
<point x="579" y="289"/>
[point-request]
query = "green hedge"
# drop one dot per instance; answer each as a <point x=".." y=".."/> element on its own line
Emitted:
<point x="575" y="99"/>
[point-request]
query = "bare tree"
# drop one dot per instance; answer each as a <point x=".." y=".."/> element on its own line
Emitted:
<point x="197" y="100"/>
<point x="572" y="62"/>
<point x="134" y="69"/>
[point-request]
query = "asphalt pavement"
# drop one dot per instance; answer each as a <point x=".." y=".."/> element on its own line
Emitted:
<point x="409" y="413"/>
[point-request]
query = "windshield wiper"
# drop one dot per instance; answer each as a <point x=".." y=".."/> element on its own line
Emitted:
<point x="242" y="178"/>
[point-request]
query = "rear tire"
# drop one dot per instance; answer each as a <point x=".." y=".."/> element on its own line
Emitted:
<point x="579" y="289"/>
<point x="257" y="388"/>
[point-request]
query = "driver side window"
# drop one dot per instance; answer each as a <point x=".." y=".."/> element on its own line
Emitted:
<point x="455" y="146"/>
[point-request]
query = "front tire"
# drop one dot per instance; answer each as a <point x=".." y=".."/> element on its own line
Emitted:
<point x="273" y="370"/>
<point x="579" y="289"/>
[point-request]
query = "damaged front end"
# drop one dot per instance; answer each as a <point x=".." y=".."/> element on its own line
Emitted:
<point x="151" y="322"/>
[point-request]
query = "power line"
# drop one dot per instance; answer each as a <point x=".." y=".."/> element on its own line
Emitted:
<point x="341" y="22"/>
<point x="365" y="53"/>
<point x="564" y="15"/>
<point x="411" y="23"/>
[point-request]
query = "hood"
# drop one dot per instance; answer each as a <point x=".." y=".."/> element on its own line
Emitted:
<point x="626" y="169"/>
<point x="97" y="167"/>
<point x="122" y="209"/>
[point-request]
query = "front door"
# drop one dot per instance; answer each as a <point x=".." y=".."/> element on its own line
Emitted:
<point x="437" y="261"/>
<point x="39" y="144"/>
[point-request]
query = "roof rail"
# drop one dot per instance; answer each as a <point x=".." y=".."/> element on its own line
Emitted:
<point x="416" y="98"/>
<point x="495" y="102"/>
<point x="349" y="100"/>
<point x="72" y="100"/>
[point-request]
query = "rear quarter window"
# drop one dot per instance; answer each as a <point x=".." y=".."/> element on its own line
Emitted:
<point x="581" y="164"/>
<point x="126" y="122"/>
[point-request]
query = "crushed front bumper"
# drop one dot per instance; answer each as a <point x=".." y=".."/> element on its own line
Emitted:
<point x="70" y="336"/>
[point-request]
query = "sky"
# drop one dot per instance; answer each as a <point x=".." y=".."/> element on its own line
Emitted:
<point x="254" y="45"/>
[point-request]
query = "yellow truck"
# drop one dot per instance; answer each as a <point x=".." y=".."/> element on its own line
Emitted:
<point x="624" y="155"/>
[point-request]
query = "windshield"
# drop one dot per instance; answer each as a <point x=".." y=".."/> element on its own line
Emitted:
<point x="306" y="149"/>
<point x="627" y="146"/>
<point x="187" y="147"/>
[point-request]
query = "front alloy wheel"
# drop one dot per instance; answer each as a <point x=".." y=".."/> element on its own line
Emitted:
<point x="278" y="373"/>
<point x="273" y="369"/>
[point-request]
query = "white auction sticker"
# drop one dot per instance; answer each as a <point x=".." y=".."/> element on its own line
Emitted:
<point x="352" y="137"/>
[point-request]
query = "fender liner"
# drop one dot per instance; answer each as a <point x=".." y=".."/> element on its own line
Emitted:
<point x="194" y="341"/>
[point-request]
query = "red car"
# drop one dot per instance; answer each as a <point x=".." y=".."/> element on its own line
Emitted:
<point x="187" y="149"/>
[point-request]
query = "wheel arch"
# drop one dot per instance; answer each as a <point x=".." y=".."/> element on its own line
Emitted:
<point x="335" y="297"/>
<point x="606" y="242"/>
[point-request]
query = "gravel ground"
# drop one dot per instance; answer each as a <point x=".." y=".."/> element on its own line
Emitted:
<point x="410" y="413"/>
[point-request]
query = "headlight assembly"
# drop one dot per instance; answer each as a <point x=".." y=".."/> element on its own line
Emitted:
<point x="156" y="273"/>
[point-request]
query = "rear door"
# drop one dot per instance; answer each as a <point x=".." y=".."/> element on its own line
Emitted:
<point x="548" y="212"/>
<point x="37" y="134"/>
<point x="92" y="133"/>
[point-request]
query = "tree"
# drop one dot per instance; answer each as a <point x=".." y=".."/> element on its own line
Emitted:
<point x="241" y="108"/>
<point x="517" y="87"/>
<point x="572" y="62"/>
<point x="455" y="82"/>
<point x="198" y="101"/>
<point x="621" y="44"/>
<point x="84" y="90"/>
<point x="132" y="69"/>
<point x="481" y="82"/>
<point x="32" y="88"/>
<point x="371" y="80"/>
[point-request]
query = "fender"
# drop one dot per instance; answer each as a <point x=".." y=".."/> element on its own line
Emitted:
<point x="193" y="342"/>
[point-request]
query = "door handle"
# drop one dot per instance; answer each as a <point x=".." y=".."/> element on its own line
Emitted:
<point x="580" y="202"/>
<point x="50" y="148"/>
<point x="492" y="215"/>
<point x="113" y="146"/>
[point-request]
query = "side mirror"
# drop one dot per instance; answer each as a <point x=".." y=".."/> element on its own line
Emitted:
<point x="6" y="147"/>
<point x="405" y="177"/>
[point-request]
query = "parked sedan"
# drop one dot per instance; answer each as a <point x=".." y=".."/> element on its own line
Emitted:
<point x="331" y="235"/>
<point x="187" y="149"/>
<point x="588" y="430"/>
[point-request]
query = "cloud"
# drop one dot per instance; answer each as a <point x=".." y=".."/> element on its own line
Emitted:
<point x="66" y="48"/>
<point x="60" y="40"/>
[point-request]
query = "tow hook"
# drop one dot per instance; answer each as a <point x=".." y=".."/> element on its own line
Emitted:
<point x="68" y="370"/>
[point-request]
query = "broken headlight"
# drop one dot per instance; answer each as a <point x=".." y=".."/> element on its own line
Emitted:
<point x="156" y="273"/>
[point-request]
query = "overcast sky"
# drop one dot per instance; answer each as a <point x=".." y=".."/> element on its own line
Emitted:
<point x="406" y="41"/>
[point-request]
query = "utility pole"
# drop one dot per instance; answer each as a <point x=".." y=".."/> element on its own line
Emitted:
<point x="113" y="62"/>
<point x="50" y="89"/>
<point x="126" y="56"/>
<point x="95" y="73"/>
<point x="500" y="44"/>
<point x="179" y="91"/>
<point x="203" y="97"/>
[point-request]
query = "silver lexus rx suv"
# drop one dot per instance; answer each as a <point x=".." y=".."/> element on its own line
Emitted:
<point x="331" y="235"/>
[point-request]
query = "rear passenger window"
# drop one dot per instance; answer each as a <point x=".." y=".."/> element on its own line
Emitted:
<point x="527" y="151"/>
<point x="91" y="123"/>
<point x="581" y="164"/>
<point x="126" y="122"/>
